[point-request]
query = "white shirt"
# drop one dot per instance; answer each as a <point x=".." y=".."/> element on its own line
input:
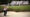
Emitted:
<point x="5" y="9"/>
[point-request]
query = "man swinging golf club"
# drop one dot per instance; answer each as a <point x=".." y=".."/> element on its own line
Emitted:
<point x="5" y="10"/>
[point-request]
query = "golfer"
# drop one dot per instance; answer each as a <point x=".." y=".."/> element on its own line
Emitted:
<point x="5" y="10"/>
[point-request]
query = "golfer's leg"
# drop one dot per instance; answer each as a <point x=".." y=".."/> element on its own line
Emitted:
<point x="5" y="12"/>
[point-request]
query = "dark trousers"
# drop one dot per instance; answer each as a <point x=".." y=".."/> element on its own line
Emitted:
<point x="5" y="12"/>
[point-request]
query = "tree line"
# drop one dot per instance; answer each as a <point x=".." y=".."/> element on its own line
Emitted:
<point x="9" y="1"/>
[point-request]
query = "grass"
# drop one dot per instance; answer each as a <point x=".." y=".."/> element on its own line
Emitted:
<point x="20" y="7"/>
<point x="17" y="8"/>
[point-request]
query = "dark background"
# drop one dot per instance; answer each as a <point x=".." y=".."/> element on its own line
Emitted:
<point x="9" y="1"/>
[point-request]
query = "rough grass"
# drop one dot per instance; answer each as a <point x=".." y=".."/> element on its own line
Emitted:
<point x="19" y="7"/>
<point x="15" y="8"/>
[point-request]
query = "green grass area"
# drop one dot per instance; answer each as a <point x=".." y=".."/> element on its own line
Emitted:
<point x="19" y="7"/>
<point x="1" y="9"/>
<point x="16" y="8"/>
